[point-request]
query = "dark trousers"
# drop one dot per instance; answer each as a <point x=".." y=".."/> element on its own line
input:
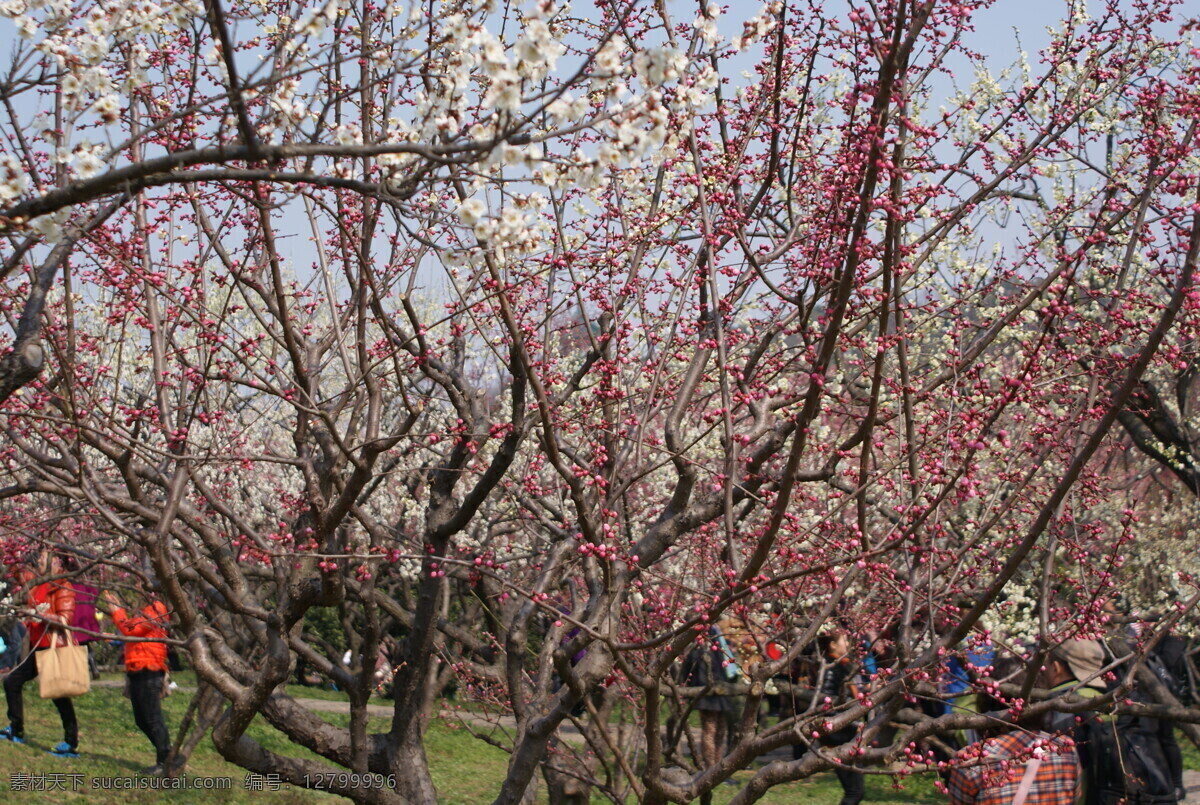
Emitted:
<point x="854" y="786"/>
<point x="145" y="692"/>
<point x="854" y="783"/>
<point x="25" y="671"/>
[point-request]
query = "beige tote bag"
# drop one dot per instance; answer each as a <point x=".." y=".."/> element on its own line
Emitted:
<point x="63" y="669"/>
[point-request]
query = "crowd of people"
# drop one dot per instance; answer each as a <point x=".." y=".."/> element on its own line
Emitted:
<point x="1069" y="755"/>
<point x="59" y="607"/>
<point x="1087" y="756"/>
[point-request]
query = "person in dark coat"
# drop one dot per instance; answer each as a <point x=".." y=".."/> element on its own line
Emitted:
<point x="707" y="665"/>
<point x="13" y="634"/>
<point x="835" y="684"/>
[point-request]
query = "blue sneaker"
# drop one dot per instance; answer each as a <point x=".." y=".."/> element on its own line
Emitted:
<point x="6" y="734"/>
<point x="64" y="749"/>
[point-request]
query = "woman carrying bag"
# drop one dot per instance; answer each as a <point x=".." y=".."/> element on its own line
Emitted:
<point x="53" y="604"/>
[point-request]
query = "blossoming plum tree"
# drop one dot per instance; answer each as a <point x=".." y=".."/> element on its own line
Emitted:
<point x="542" y="338"/>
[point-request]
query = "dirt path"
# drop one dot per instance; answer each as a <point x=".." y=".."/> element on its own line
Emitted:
<point x="486" y="725"/>
<point x="506" y="725"/>
<point x="1191" y="782"/>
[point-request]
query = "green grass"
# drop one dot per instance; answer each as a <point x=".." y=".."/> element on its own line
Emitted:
<point x="466" y="770"/>
<point x="112" y="748"/>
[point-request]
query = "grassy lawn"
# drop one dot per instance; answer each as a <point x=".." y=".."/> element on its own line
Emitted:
<point x="465" y="770"/>
<point x="113" y="749"/>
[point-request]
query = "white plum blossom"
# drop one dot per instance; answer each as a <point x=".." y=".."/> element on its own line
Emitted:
<point x="88" y="162"/>
<point x="13" y="8"/>
<point x="511" y="223"/>
<point x="141" y="18"/>
<point x="537" y="49"/>
<point x="43" y="126"/>
<point x="471" y="211"/>
<point x="559" y="109"/>
<point x="491" y="51"/>
<point x="505" y="93"/>
<point x="93" y="49"/>
<point x="57" y="48"/>
<point x="138" y="61"/>
<point x="27" y="27"/>
<point x="350" y="134"/>
<point x="484" y="229"/>
<point x="610" y="57"/>
<point x="531" y="46"/>
<point x="548" y="174"/>
<point x="542" y="10"/>
<point x="394" y="162"/>
<point x="96" y="22"/>
<point x="213" y="58"/>
<point x="659" y="65"/>
<point x="13" y="181"/>
<point x="50" y="227"/>
<point x="758" y="26"/>
<point x="706" y="24"/>
<point x="108" y="108"/>
<point x="284" y="101"/>
<point x="566" y="108"/>
<point x="315" y="22"/>
<point x="609" y="154"/>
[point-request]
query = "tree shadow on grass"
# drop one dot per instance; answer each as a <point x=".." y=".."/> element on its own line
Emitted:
<point x="40" y="750"/>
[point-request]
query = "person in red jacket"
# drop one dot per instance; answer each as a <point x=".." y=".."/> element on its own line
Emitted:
<point x="145" y="668"/>
<point x="51" y="607"/>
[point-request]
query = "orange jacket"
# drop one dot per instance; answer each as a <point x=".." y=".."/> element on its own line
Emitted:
<point x="59" y="598"/>
<point x="148" y="656"/>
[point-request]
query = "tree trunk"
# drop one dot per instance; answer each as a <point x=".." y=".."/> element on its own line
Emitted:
<point x="409" y="764"/>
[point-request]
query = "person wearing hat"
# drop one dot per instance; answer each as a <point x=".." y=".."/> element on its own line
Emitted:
<point x="1077" y="662"/>
<point x="1012" y="763"/>
<point x="1074" y="667"/>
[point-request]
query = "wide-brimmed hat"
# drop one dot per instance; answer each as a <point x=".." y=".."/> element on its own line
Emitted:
<point x="1085" y="658"/>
